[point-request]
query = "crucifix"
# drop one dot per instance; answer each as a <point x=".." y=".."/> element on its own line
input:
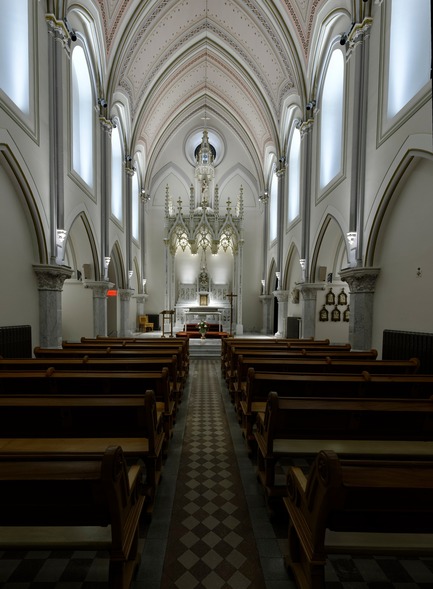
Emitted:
<point x="231" y="297"/>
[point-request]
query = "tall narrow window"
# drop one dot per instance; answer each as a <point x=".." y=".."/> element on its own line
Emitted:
<point x="409" y="52"/>
<point x="135" y="206"/>
<point x="116" y="174"/>
<point x="273" y="209"/>
<point x="82" y="117"/>
<point x="294" y="176"/>
<point x="331" y="121"/>
<point x="14" y="53"/>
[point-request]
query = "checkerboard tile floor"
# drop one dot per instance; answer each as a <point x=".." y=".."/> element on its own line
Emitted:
<point x="210" y="528"/>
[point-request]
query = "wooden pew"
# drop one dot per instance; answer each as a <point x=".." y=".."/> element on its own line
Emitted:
<point x="309" y="365"/>
<point x="84" y="502"/>
<point x="145" y="343"/>
<point x="86" y="382"/>
<point x="294" y="427"/>
<point x="171" y="360"/>
<point x="283" y="355"/>
<point x="385" y="506"/>
<point x="259" y="384"/>
<point x="76" y="423"/>
<point x="154" y="350"/>
<point x="145" y="364"/>
<point x="270" y="344"/>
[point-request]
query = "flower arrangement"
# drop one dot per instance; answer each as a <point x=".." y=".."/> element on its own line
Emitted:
<point x="202" y="326"/>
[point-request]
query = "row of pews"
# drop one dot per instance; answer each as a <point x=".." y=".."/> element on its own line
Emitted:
<point x="363" y="427"/>
<point x="85" y="430"/>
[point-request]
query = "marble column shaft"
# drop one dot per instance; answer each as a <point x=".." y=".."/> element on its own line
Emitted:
<point x="266" y="301"/>
<point x="100" y="289"/>
<point x="362" y="283"/>
<point x="125" y="299"/>
<point x="283" y="301"/>
<point x="309" y="295"/>
<point x="50" y="285"/>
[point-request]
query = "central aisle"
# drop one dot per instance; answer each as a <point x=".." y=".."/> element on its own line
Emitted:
<point x="202" y="533"/>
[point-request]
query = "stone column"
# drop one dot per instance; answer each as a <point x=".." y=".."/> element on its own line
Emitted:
<point x="105" y="130"/>
<point x="129" y="172"/>
<point x="306" y="130"/>
<point x="358" y="52"/>
<point x="362" y="283"/>
<point x="309" y="295"/>
<point x="237" y="303"/>
<point x="283" y="301"/>
<point x="266" y="301"/>
<point x="58" y="47"/>
<point x="124" y="300"/>
<point x="281" y="176"/>
<point x="50" y="286"/>
<point x="100" y="289"/>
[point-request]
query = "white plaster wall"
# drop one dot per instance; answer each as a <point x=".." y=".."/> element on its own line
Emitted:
<point x="77" y="311"/>
<point x="403" y="298"/>
<point x="19" y="296"/>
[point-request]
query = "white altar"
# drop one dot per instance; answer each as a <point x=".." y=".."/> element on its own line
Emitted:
<point x="189" y="307"/>
<point x="194" y="316"/>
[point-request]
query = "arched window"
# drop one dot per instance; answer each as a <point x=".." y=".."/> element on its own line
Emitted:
<point x="331" y="120"/>
<point x="294" y="176"/>
<point x="82" y="117"/>
<point x="273" y="208"/>
<point x="15" y="54"/>
<point x="135" y="206"/>
<point x="409" y="52"/>
<point x="116" y="174"/>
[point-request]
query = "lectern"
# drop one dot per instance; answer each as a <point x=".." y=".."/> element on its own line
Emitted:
<point x="168" y="314"/>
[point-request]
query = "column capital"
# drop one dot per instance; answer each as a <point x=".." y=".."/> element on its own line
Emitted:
<point x="306" y="127"/>
<point x="125" y="294"/>
<point x="282" y="296"/>
<point x="99" y="287"/>
<point x="58" y="30"/>
<point x="106" y="125"/>
<point x="360" y="33"/>
<point x="51" y="277"/>
<point x="266" y="298"/>
<point x="309" y="290"/>
<point x="360" y="279"/>
<point x="140" y="297"/>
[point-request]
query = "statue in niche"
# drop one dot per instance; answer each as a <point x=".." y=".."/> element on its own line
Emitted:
<point x="203" y="280"/>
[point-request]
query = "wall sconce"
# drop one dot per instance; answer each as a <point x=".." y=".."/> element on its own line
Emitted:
<point x="130" y="273"/>
<point x="60" y="241"/>
<point x="263" y="283"/>
<point x="144" y="285"/>
<point x="310" y="105"/>
<point x="71" y="32"/>
<point x="352" y="238"/>
<point x="60" y="237"/>
<point x="107" y="261"/>
<point x="102" y="102"/>
<point x="263" y="198"/>
<point x="303" y="263"/>
<point x="345" y="36"/>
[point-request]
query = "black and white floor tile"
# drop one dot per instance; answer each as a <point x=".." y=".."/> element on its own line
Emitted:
<point x="210" y="527"/>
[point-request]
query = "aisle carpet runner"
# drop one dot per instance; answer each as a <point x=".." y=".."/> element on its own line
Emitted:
<point x="211" y="542"/>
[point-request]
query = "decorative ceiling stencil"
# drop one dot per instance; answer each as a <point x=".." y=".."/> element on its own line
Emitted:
<point x="162" y="51"/>
<point x="302" y="13"/>
<point x="112" y="13"/>
<point x="184" y="87"/>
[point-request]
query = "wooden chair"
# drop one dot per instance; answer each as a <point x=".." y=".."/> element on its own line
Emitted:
<point x="143" y="322"/>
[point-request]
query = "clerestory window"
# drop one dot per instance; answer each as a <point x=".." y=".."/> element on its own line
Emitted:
<point x="82" y="117"/>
